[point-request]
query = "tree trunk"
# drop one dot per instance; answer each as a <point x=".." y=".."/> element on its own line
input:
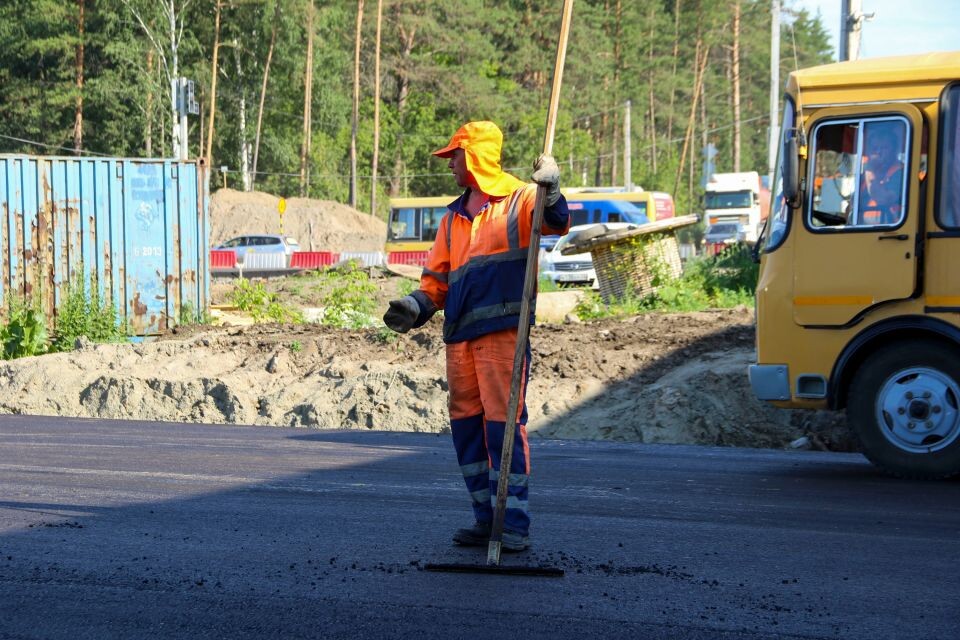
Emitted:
<point x="700" y="65"/>
<point x="615" y="124"/>
<point x="703" y="139"/>
<point x="356" y="107"/>
<point x="244" y="144"/>
<point x="263" y="91"/>
<point x="174" y="82"/>
<point x="78" y="115"/>
<point x="653" y="110"/>
<point x="376" y="114"/>
<point x="149" y="136"/>
<point x="213" y="87"/>
<point x="402" y="78"/>
<point x="307" y="105"/>
<point x="673" y="77"/>
<point x="735" y="55"/>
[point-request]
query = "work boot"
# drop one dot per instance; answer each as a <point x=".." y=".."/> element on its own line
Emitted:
<point x="476" y="536"/>
<point x="513" y="542"/>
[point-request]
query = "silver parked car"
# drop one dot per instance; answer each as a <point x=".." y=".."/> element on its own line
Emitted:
<point x="264" y="243"/>
<point x="576" y="269"/>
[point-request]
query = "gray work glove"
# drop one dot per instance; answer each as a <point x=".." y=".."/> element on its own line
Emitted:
<point x="402" y="314"/>
<point x="546" y="173"/>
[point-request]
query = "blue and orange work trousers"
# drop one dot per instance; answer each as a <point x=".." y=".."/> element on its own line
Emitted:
<point x="478" y="373"/>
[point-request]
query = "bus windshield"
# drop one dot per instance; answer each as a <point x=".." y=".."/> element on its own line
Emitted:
<point x="777" y="222"/>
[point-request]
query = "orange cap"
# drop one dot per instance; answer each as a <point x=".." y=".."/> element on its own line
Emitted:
<point x="481" y="142"/>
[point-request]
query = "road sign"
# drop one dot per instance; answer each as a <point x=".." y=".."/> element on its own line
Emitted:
<point x="282" y="206"/>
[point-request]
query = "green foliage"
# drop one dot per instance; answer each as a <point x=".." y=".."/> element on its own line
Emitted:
<point x="188" y="315"/>
<point x="386" y="335"/>
<point x="407" y="286"/>
<point x="349" y="298"/>
<point x="25" y="333"/>
<point x="296" y="346"/>
<point x="733" y="269"/>
<point x="726" y="280"/>
<point x="442" y="62"/>
<point x="262" y="305"/>
<point x="82" y="313"/>
<point x="546" y="285"/>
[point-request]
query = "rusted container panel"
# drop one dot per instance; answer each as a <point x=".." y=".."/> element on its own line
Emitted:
<point x="137" y="230"/>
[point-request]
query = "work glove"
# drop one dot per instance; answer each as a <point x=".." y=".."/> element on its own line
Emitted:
<point x="546" y="173"/>
<point x="402" y="314"/>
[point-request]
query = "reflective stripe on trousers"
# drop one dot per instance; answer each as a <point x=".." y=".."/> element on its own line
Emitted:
<point x="478" y="373"/>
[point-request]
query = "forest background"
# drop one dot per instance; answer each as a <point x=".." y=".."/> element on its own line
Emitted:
<point x="327" y="98"/>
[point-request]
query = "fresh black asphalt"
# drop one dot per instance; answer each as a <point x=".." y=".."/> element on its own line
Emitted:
<point x="151" y="530"/>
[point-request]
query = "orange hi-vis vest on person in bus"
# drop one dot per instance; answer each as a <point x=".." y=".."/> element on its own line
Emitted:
<point x="874" y="212"/>
<point x="476" y="267"/>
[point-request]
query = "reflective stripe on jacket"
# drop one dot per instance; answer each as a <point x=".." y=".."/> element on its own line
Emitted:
<point x="475" y="269"/>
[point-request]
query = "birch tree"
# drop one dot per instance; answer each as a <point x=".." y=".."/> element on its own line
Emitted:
<point x="166" y="42"/>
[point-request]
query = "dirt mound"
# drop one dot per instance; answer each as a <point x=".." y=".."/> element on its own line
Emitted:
<point x="319" y="225"/>
<point x="668" y="378"/>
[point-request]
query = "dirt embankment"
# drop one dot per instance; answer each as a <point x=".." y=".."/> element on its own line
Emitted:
<point x="669" y="378"/>
<point x="319" y="225"/>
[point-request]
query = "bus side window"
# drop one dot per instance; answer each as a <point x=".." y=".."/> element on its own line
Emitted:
<point x="613" y="217"/>
<point x="431" y="221"/>
<point x="403" y="224"/>
<point x="949" y="211"/>
<point x="597" y="216"/>
<point x="577" y="217"/>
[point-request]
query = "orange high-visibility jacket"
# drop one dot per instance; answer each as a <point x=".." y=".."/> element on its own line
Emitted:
<point x="476" y="266"/>
<point x="883" y="213"/>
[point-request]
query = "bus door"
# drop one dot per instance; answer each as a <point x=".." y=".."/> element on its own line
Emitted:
<point x="855" y="243"/>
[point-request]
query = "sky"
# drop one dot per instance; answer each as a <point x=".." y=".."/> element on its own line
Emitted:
<point x="899" y="27"/>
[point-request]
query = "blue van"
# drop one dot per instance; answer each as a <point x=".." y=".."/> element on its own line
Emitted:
<point x="598" y="210"/>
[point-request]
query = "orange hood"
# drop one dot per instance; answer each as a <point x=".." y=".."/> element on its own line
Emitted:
<point x="481" y="143"/>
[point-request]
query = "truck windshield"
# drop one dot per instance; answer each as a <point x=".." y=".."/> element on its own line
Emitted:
<point x="728" y="200"/>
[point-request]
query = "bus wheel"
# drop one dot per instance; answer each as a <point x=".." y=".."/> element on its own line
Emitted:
<point x="904" y="406"/>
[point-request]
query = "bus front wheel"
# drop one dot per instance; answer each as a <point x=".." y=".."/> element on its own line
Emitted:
<point x="904" y="407"/>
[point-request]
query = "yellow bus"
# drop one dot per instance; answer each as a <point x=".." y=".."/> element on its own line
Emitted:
<point x="858" y="299"/>
<point x="413" y="222"/>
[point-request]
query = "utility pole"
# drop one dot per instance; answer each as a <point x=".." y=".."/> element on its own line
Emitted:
<point x="627" y="169"/>
<point x="774" y="89"/>
<point x="186" y="104"/>
<point x="851" y="23"/>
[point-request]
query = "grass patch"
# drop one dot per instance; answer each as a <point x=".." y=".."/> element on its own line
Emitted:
<point x="262" y="305"/>
<point x="83" y="313"/>
<point x="723" y="281"/>
<point x="25" y="333"/>
<point x="348" y="297"/>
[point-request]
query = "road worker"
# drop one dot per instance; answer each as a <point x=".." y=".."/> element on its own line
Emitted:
<point x="475" y="273"/>
<point x="882" y="183"/>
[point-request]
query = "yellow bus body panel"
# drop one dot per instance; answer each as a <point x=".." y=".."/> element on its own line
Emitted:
<point x="818" y="292"/>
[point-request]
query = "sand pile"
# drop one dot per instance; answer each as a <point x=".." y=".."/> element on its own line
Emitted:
<point x="319" y="225"/>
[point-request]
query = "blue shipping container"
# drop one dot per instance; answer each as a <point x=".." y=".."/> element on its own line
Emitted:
<point x="135" y="229"/>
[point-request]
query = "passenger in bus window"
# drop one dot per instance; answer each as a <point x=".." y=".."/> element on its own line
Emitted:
<point x="475" y="273"/>
<point x="881" y="188"/>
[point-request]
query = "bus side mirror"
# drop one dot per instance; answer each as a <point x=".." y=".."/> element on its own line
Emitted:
<point x="791" y="169"/>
